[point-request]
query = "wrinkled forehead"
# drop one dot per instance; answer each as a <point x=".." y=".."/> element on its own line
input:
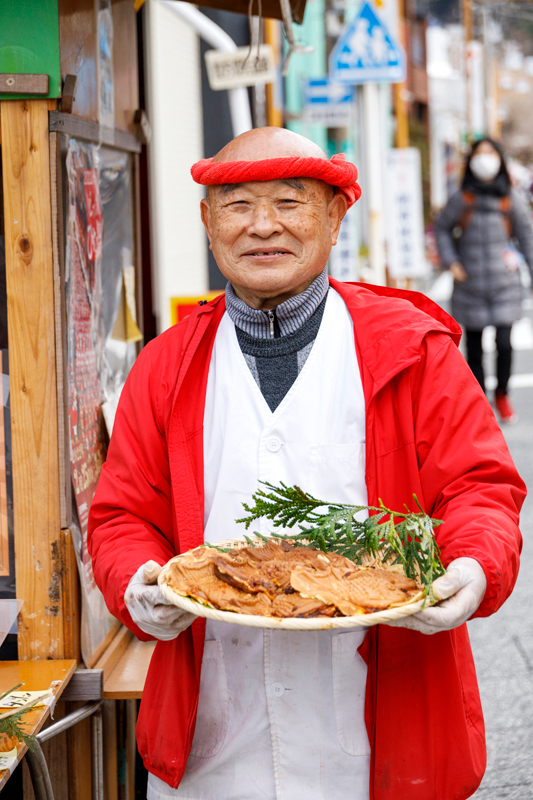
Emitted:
<point x="300" y="185"/>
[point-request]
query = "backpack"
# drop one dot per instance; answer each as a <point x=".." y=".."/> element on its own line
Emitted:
<point x="505" y="207"/>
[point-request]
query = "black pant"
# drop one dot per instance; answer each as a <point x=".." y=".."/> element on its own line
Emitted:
<point x="503" y="363"/>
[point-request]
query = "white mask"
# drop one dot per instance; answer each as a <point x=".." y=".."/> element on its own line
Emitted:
<point x="485" y="166"/>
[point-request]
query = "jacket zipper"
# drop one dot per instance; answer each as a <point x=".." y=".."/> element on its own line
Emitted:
<point x="270" y="315"/>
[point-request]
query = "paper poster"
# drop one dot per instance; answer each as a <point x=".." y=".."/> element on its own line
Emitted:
<point x="93" y="207"/>
<point x="126" y="328"/>
<point x="109" y="409"/>
<point x="87" y="447"/>
<point x="100" y="281"/>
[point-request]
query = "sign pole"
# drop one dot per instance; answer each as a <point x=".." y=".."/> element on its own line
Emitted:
<point x="400" y="90"/>
<point x="366" y="53"/>
<point x="374" y="177"/>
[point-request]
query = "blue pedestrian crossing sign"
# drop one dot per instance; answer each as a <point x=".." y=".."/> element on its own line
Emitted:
<point x="366" y="52"/>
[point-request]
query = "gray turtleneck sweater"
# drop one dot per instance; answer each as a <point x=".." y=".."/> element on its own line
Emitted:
<point x="276" y="343"/>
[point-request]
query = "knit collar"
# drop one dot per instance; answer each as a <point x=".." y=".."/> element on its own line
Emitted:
<point x="290" y="315"/>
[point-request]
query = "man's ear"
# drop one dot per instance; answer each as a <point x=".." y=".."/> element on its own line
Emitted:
<point x="205" y="212"/>
<point x="337" y="208"/>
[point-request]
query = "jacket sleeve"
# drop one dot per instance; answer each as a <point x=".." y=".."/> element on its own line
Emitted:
<point x="467" y="474"/>
<point x="130" y="520"/>
<point x="444" y="225"/>
<point x="522" y="229"/>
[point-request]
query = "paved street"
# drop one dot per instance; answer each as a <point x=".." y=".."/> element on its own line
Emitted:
<point x="503" y="644"/>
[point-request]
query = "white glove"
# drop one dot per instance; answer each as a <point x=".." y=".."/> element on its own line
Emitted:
<point x="148" y="608"/>
<point x="462" y="589"/>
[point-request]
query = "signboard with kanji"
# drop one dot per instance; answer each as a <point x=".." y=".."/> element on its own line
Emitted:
<point x="240" y="68"/>
<point x="404" y="222"/>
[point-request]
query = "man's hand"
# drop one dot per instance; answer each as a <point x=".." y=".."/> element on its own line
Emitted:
<point x="463" y="585"/>
<point x="148" y="608"/>
<point x="458" y="271"/>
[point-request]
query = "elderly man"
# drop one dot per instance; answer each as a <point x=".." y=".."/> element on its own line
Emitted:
<point x="355" y="393"/>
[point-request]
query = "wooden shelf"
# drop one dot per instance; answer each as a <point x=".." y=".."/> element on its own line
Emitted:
<point x="35" y="675"/>
<point x="128" y="678"/>
<point x="125" y="664"/>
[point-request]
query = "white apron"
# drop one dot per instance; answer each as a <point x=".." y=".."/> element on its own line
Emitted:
<point x="280" y="713"/>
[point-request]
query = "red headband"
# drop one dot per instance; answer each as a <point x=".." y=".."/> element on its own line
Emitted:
<point x="337" y="172"/>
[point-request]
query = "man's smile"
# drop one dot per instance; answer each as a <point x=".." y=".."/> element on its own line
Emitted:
<point x="267" y="253"/>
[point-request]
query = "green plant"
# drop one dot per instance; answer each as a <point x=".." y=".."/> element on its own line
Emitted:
<point x="10" y="720"/>
<point x="400" y="538"/>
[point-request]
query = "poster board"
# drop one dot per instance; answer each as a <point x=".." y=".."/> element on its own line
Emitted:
<point x="101" y="335"/>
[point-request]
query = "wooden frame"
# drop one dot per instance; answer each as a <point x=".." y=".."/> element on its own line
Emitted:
<point x="92" y="132"/>
<point x="65" y="484"/>
<point x="30" y="296"/>
<point x="4" y="521"/>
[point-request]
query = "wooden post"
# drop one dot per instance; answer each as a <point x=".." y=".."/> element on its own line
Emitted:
<point x="400" y="89"/>
<point x="30" y="298"/>
<point x="468" y="20"/>
<point x="274" y="103"/>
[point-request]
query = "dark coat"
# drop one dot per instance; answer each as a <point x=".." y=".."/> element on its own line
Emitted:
<point x="492" y="295"/>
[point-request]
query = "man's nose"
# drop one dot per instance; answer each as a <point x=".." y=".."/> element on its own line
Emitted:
<point x="264" y="221"/>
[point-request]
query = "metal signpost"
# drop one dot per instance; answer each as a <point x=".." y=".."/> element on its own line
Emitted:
<point x="333" y="106"/>
<point x="367" y="53"/>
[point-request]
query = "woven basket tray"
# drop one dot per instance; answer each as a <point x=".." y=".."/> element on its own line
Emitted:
<point x="280" y="623"/>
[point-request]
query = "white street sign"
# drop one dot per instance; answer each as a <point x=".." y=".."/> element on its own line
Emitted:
<point x="326" y="103"/>
<point x="366" y="52"/>
<point x="404" y="221"/>
<point x="344" y="257"/>
<point x="240" y="68"/>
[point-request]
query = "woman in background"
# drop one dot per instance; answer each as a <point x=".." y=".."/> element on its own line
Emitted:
<point x="475" y="234"/>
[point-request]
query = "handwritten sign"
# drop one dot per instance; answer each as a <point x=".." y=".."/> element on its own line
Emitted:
<point x="240" y="68"/>
<point x="19" y="699"/>
<point x="8" y="760"/>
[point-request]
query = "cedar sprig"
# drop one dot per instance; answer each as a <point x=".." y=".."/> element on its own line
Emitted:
<point x="402" y="538"/>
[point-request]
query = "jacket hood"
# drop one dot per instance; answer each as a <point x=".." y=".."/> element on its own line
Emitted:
<point x="390" y="326"/>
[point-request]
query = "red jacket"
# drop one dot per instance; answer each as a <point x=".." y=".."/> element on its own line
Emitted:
<point x="429" y="431"/>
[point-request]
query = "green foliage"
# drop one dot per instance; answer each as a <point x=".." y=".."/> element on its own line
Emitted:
<point x="11" y="724"/>
<point x="404" y="538"/>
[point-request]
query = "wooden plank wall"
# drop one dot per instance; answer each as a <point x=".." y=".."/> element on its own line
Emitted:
<point x="78" y="43"/>
<point x="125" y="64"/>
<point x="78" y="46"/>
<point x="30" y="293"/>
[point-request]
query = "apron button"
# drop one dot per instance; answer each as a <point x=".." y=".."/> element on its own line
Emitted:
<point x="277" y="689"/>
<point x="273" y="444"/>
